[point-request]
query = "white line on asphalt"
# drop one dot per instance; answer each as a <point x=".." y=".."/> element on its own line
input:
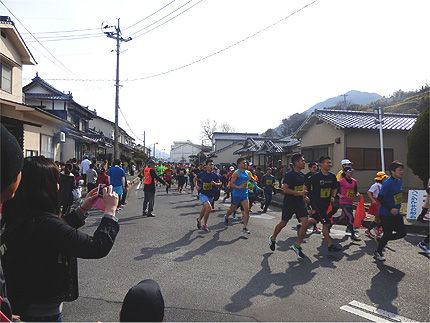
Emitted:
<point x="416" y="235"/>
<point x="370" y="317"/>
<point x="382" y="312"/>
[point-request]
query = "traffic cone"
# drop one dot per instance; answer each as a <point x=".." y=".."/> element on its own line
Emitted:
<point x="360" y="213"/>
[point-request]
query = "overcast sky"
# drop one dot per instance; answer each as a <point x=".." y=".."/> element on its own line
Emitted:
<point x="327" y="49"/>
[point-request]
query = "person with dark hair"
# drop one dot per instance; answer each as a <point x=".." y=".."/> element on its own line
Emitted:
<point x="92" y="177"/>
<point x="66" y="184"/>
<point x="117" y="179"/>
<point x="322" y="189"/>
<point x="206" y="182"/>
<point x="12" y="160"/>
<point x="313" y="169"/>
<point x="180" y="176"/>
<point x="295" y="192"/>
<point x="390" y="199"/>
<point x="168" y="175"/>
<point x="217" y="189"/>
<point x="143" y="303"/>
<point x="103" y="178"/>
<point x="41" y="248"/>
<point x="149" y="177"/>
<point x="239" y="195"/>
<point x="227" y="188"/>
<point x="268" y="183"/>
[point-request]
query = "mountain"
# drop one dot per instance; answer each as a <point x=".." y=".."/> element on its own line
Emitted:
<point x="353" y="97"/>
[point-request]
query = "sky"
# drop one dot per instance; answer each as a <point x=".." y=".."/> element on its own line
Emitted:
<point x="327" y="49"/>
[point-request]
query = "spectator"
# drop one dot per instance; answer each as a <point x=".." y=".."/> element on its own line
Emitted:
<point x="76" y="170"/>
<point x="91" y="177"/>
<point x="41" y="248"/>
<point x="117" y="178"/>
<point x="143" y="303"/>
<point x="85" y="166"/>
<point x="11" y="166"/>
<point x="103" y="178"/>
<point x="67" y="184"/>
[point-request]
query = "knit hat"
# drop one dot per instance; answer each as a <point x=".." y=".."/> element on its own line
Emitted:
<point x="380" y="176"/>
<point x="12" y="158"/>
<point x="143" y="303"/>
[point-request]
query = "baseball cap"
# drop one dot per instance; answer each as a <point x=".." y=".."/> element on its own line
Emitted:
<point x="348" y="169"/>
<point x="231" y="168"/>
<point x="345" y="162"/>
<point x="85" y="156"/>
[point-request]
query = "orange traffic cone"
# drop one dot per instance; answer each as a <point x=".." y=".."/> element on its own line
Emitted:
<point x="360" y="213"/>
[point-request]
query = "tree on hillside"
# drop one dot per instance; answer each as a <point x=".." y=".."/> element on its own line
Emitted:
<point x="292" y="123"/>
<point x="269" y="133"/>
<point x="418" y="147"/>
<point x="208" y="128"/>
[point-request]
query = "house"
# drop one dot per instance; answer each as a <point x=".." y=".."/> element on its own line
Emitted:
<point x="354" y="135"/>
<point x="181" y="151"/>
<point x="263" y="152"/>
<point x="38" y="132"/>
<point x="226" y="143"/>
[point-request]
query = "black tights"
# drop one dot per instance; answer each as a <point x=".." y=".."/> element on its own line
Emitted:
<point x="390" y="224"/>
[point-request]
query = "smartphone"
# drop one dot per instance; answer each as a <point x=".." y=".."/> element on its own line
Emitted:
<point x="100" y="190"/>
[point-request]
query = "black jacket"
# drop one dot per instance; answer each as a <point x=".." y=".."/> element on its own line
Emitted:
<point x="40" y="259"/>
<point x="67" y="184"/>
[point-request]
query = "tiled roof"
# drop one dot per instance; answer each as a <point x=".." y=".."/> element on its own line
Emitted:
<point x="240" y="136"/>
<point x="47" y="96"/>
<point x="266" y="145"/>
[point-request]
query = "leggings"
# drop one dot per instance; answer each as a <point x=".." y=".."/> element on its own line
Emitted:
<point x="391" y="223"/>
<point x="347" y="212"/>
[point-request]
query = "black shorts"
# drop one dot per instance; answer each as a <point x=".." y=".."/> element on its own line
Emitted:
<point x="321" y="214"/>
<point x="288" y="210"/>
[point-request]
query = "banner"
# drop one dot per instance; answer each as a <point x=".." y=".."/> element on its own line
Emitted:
<point x="416" y="199"/>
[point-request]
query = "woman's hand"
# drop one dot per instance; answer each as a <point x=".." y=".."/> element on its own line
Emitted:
<point x="89" y="200"/>
<point x="110" y="200"/>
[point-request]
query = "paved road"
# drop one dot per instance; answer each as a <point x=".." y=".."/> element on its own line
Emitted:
<point x="226" y="276"/>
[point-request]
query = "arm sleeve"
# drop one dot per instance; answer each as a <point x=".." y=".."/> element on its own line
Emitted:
<point x="67" y="239"/>
<point x="381" y="197"/>
<point x="75" y="219"/>
<point x="355" y="188"/>
<point x="158" y="178"/>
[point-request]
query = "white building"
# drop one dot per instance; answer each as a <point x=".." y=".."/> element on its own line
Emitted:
<point x="181" y="151"/>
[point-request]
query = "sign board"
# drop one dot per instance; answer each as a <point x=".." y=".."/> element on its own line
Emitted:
<point x="416" y="199"/>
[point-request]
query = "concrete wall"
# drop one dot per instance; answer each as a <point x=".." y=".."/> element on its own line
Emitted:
<point x="226" y="156"/>
<point x="68" y="149"/>
<point x="177" y="153"/>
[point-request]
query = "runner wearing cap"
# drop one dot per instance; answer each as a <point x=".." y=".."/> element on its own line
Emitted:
<point x="227" y="188"/>
<point x="373" y="193"/>
<point x="347" y="191"/>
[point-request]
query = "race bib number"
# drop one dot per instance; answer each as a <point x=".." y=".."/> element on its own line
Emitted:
<point x="298" y="188"/>
<point x="250" y="186"/>
<point x="269" y="182"/>
<point x="350" y="193"/>
<point x="181" y="173"/>
<point x="325" y="192"/>
<point x="207" y="186"/>
<point x="398" y="199"/>
<point x="245" y="184"/>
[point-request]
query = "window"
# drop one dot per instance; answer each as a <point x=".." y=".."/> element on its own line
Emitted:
<point x="369" y="158"/>
<point x="6" y="78"/>
<point x="314" y="154"/>
<point x="30" y="153"/>
<point x="46" y="146"/>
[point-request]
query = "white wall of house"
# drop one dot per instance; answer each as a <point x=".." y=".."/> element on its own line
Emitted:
<point x="226" y="156"/>
<point x="103" y="126"/>
<point x="181" y="152"/>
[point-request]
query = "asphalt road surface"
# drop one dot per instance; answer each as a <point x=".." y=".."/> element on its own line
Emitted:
<point x="224" y="275"/>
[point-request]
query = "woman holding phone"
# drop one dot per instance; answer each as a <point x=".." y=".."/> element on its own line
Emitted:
<point x="42" y="247"/>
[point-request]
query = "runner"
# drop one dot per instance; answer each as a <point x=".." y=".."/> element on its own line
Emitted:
<point x="373" y="193"/>
<point x="347" y="191"/>
<point x="268" y="183"/>
<point x="335" y="203"/>
<point x="390" y="199"/>
<point x="149" y="178"/>
<point x="253" y="191"/>
<point x="180" y="175"/>
<point x="159" y="169"/>
<point x="191" y="174"/>
<point x="217" y="190"/>
<point x="227" y="188"/>
<point x="239" y="195"/>
<point x="323" y="189"/>
<point x="313" y="169"/>
<point x="167" y="175"/>
<point x="206" y="185"/>
<point x="294" y="203"/>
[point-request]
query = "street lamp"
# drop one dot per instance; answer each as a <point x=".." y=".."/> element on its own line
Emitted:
<point x="155" y="143"/>
<point x="379" y="119"/>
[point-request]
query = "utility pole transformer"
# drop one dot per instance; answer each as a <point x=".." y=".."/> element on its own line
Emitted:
<point x="117" y="36"/>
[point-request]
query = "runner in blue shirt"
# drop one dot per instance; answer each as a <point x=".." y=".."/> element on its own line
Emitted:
<point x="117" y="179"/>
<point x="239" y="195"/>
<point x="390" y="199"/>
<point x="206" y="183"/>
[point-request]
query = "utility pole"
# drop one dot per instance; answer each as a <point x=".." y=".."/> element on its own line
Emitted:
<point x="379" y="119"/>
<point x="344" y="101"/>
<point x="117" y="36"/>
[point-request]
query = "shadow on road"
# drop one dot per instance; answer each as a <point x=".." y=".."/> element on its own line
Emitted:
<point x="299" y="272"/>
<point x="148" y="252"/>
<point x="384" y="288"/>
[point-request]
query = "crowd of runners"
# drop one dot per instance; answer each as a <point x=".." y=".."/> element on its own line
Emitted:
<point x="314" y="197"/>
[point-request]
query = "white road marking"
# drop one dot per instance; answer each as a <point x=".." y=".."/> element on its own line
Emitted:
<point x="367" y="312"/>
<point x="416" y="235"/>
<point x="261" y="216"/>
<point x="370" y="317"/>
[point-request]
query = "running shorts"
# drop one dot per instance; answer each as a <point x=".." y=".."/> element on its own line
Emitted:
<point x="204" y="198"/>
<point x="321" y="214"/>
<point x="299" y="210"/>
<point x="236" y="200"/>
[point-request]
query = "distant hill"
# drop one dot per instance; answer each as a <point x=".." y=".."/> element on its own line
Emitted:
<point x="353" y="97"/>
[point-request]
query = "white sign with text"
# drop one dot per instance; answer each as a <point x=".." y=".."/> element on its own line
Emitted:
<point x="416" y="199"/>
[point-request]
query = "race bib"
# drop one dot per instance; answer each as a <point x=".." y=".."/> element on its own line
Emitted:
<point x="298" y="188"/>
<point x="245" y="184"/>
<point x="207" y="186"/>
<point x="250" y="186"/>
<point x="350" y="193"/>
<point x="181" y="173"/>
<point x="398" y="199"/>
<point x="269" y="182"/>
<point x="325" y="192"/>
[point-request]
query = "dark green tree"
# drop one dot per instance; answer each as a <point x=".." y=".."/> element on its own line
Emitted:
<point x="418" y="147"/>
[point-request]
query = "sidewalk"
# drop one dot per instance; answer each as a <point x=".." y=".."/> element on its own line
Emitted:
<point x="411" y="225"/>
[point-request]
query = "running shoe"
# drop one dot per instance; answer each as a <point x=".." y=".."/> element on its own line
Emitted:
<point x="225" y="221"/>
<point x="272" y="243"/>
<point x="354" y="237"/>
<point x="262" y="206"/>
<point x="298" y="250"/>
<point x="378" y="256"/>
<point x="298" y="227"/>
<point x="349" y="231"/>
<point x="205" y="228"/>
<point x="151" y="215"/>
<point x="245" y="230"/>
<point x="370" y="234"/>
<point x="316" y="230"/>
<point x="212" y="209"/>
<point x="424" y="247"/>
<point x="144" y="213"/>
<point x="199" y="224"/>
<point x="334" y="248"/>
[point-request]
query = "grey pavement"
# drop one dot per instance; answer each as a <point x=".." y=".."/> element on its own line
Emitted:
<point x="224" y="275"/>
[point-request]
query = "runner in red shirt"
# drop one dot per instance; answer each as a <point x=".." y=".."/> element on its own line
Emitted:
<point x="168" y="175"/>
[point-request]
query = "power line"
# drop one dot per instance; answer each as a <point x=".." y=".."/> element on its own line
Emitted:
<point x="62" y="31"/>
<point x="149" y="15"/>
<point x="165" y="22"/>
<point x="55" y="58"/>
<point x="72" y="35"/>
<point x="63" y="39"/>
<point x="146" y="27"/>
<point x="128" y="125"/>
